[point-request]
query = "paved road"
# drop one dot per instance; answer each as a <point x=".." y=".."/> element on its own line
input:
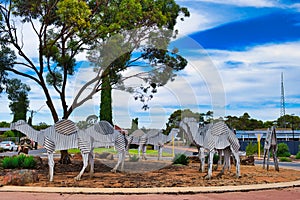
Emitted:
<point x="292" y="165"/>
<point x="286" y="194"/>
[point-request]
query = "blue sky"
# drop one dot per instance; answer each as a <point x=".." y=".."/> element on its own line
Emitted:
<point x="236" y="50"/>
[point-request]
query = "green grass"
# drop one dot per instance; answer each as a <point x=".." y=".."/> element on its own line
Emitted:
<point x="131" y="151"/>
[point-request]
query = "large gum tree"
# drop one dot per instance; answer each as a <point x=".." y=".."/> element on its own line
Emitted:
<point x="62" y="29"/>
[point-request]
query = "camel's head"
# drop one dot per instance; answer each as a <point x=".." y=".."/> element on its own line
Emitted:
<point x="18" y="123"/>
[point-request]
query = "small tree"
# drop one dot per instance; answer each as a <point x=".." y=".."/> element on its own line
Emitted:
<point x="18" y="95"/>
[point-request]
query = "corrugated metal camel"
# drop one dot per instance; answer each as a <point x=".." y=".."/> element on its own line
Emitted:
<point x="153" y="137"/>
<point x="212" y="137"/>
<point x="65" y="135"/>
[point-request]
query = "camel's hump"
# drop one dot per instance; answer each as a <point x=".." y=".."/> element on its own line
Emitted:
<point x="104" y="128"/>
<point x="65" y="127"/>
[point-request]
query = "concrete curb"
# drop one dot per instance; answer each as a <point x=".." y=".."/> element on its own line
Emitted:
<point x="165" y="190"/>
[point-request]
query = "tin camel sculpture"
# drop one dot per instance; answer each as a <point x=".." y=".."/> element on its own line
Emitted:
<point x="65" y="135"/>
<point x="212" y="137"/>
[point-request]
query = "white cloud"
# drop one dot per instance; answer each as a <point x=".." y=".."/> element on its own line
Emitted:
<point x="196" y="22"/>
<point x="255" y="81"/>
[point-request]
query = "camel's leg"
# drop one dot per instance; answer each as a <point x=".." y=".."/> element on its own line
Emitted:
<point x="51" y="166"/>
<point x="275" y="159"/>
<point x="220" y="160"/>
<point x="144" y="148"/>
<point x="268" y="159"/>
<point x="210" y="163"/>
<point x="120" y="158"/>
<point x="226" y="164"/>
<point x="265" y="155"/>
<point x="228" y="152"/>
<point x="123" y="160"/>
<point x="202" y="159"/>
<point x="139" y="150"/>
<point x="160" y="149"/>
<point x="91" y="163"/>
<point x="237" y="163"/>
<point x="85" y="157"/>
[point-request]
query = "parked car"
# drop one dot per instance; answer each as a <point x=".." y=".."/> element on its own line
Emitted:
<point x="8" y="145"/>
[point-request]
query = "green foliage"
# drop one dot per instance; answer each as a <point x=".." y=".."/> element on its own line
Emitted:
<point x="106" y="101"/>
<point x="9" y="133"/>
<point x="134" y="158"/>
<point x="215" y="159"/>
<point x="134" y="125"/>
<point x="4" y="124"/>
<point x="29" y="163"/>
<point x="21" y="161"/>
<point x="181" y="159"/>
<point x="74" y="13"/>
<point x="244" y="122"/>
<point x="285" y="159"/>
<point x="18" y="95"/>
<point x="289" y="121"/>
<point x="8" y="163"/>
<point x="283" y="150"/>
<point x="252" y="149"/>
<point x="298" y="155"/>
<point x="63" y="29"/>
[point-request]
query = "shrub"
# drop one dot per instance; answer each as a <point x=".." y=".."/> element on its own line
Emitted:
<point x="29" y="163"/>
<point x="283" y="150"/>
<point x="252" y="149"/>
<point x="298" y="155"/>
<point x="20" y="161"/>
<point x="7" y="163"/>
<point x="285" y="159"/>
<point x="181" y="159"/>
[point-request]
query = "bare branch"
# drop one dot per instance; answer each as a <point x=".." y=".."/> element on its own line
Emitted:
<point x="23" y="74"/>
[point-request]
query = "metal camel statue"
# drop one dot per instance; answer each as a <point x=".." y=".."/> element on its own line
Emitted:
<point x="212" y="137"/>
<point x="157" y="138"/>
<point x="138" y="137"/>
<point x="270" y="144"/>
<point x="65" y="135"/>
<point x="153" y="137"/>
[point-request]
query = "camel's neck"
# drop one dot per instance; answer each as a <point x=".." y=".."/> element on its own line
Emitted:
<point x="191" y="129"/>
<point x="28" y="131"/>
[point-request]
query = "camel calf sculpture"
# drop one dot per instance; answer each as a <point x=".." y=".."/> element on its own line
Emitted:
<point x="65" y="135"/>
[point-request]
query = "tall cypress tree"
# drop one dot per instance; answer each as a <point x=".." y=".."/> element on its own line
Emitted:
<point x="106" y="100"/>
